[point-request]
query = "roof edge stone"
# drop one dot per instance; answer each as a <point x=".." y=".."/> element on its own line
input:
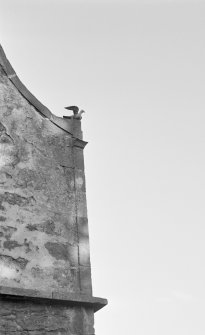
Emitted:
<point x="43" y="110"/>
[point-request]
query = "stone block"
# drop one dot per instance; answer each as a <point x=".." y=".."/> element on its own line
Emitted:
<point x="78" y="158"/>
<point x="88" y="321"/>
<point x="79" y="180"/>
<point x="77" y="128"/>
<point x="69" y="175"/>
<point x="81" y="204"/>
<point x="85" y="279"/>
<point x="84" y="248"/>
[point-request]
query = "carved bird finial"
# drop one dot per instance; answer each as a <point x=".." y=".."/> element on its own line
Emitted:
<point x="77" y="114"/>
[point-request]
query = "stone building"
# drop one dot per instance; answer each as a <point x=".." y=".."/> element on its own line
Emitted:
<point x="45" y="273"/>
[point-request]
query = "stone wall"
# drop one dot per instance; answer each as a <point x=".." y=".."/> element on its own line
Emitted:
<point x="42" y="200"/>
<point x="33" y="318"/>
<point x="44" y="240"/>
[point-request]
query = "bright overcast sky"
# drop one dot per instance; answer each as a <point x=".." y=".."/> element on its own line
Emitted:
<point x="138" y="69"/>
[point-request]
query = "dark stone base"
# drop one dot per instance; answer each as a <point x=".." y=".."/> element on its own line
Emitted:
<point x="22" y="317"/>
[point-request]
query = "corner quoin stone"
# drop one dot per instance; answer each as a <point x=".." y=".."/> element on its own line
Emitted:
<point x="45" y="271"/>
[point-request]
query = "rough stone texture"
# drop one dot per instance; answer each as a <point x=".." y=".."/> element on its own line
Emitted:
<point x="43" y="219"/>
<point x="44" y="240"/>
<point x="33" y="318"/>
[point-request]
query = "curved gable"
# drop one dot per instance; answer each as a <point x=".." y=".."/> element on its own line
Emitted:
<point x="64" y="124"/>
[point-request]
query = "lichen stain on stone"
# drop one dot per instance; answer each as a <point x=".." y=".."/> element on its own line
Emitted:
<point x="32" y="227"/>
<point x="22" y="262"/>
<point x="7" y="231"/>
<point x="16" y="199"/>
<point x="47" y="227"/>
<point x="11" y="244"/>
<point x="57" y="250"/>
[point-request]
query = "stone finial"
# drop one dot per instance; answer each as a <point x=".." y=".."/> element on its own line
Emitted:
<point x="77" y="113"/>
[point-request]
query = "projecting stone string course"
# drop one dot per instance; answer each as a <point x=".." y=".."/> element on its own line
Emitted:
<point x="45" y="272"/>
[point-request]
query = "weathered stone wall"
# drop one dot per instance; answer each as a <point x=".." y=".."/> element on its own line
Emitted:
<point x="43" y="218"/>
<point x="33" y="318"/>
<point x="42" y="199"/>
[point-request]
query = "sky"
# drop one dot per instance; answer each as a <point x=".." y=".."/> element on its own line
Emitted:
<point x="137" y="68"/>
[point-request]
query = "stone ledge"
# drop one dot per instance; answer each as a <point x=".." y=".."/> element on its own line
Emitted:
<point x="79" y="143"/>
<point x="54" y="297"/>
